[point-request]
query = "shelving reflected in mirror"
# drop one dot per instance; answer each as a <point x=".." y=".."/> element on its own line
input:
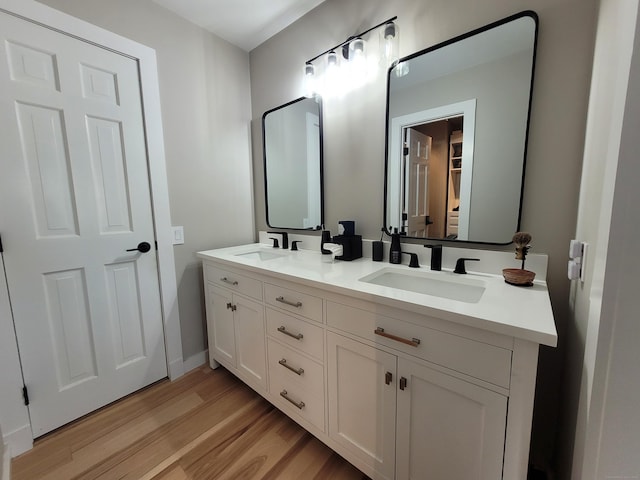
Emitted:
<point x="457" y="126"/>
<point x="292" y="141"/>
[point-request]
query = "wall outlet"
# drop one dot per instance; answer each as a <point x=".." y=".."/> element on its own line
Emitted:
<point x="178" y="235"/>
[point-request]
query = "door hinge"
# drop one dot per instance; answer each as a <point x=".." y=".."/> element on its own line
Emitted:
<point x="405" y="151"/>
<point x="25" y="394"/>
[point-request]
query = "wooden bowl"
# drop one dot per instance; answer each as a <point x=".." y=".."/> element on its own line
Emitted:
<point x="518" y="277"/>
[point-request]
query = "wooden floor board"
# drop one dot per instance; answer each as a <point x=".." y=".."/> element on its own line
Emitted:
<point x="206" y="425"/>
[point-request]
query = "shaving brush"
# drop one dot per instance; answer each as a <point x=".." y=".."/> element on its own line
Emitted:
<point x="520" y="276"/>
<point x="522" y="239"/>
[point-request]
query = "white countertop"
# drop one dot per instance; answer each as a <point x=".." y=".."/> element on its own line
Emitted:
<point x="520" y="312"/>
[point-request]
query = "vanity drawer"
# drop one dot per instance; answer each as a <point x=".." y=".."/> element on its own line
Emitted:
<point x="301" y="395"/>
<point x="480" y="360"/>
<point x="296" y="302"/>
<point x="289" y="364"/>
<point x="296" y="333"/>
<point x="233" y="281"/>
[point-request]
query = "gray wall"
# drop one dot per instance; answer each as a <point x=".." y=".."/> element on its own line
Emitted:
<point x="354" y="131"/>
<point x="204" y="84"/>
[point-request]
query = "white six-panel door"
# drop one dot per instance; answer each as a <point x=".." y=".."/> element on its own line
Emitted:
<point x="417" y="183"/>
<point x="74" y="196"/>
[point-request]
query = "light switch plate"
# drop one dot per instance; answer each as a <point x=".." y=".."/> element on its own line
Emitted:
<point x="178" y="235"/>
<point x="575" y="249"/>
<point x="578" y="255"/>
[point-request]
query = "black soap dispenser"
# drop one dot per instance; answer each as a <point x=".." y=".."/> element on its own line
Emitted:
<point x="395" y="253"/>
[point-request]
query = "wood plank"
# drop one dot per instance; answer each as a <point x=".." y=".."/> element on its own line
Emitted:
<point x="205" y="425"/>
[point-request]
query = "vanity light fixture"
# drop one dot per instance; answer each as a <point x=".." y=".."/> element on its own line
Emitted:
<point x="348" y="65"/>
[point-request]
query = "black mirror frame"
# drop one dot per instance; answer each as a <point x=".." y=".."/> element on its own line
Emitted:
<point x="318" y="100"/>
<point x="526" y="13"/>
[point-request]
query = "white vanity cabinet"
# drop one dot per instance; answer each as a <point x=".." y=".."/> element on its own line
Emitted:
<point x="362" y="402"/>
<point x="400" y="389"/>
<point x="415" y="419"/>
<point x="235" y="324"/>
<point x="447" y="427"/>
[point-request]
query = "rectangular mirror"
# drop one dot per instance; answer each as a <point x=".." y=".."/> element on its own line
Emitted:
<point x="457" y="126"/>
<point x="292" y="141"/>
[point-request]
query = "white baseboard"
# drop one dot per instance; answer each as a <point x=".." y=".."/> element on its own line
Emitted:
<point x="5" y="467"/>
<point x="176" y="369"/>
<point x="195" y="361"/>
<point x="18" y="441"/>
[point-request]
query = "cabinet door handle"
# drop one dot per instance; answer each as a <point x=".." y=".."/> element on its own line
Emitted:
<point x="388" y="377"/>
<point x="414" y="342"/>
<point x="297" y="371"/>
<point x="230" y="282"/>
<point x="403" y="383"/>
<point x="231" y="306"/>
<point x="285" y="395"/>
<point x="297" y="336"/>
<point x="288" y="302"/>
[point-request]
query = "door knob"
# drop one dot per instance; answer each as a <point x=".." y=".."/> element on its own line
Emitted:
<point x="143" y="247"/>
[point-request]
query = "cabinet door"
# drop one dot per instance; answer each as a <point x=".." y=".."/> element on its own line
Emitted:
<point x="447" y="428"/>
<point x="220" y="328"/>
<point x="362" y="405"/>
<point x="251" y="360"/>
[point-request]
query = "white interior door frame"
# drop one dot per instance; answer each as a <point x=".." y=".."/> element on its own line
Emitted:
<point x="146" y="58"/>
<point x="466" y="108"/>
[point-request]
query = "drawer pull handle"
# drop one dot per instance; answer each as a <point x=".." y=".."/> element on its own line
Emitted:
<point x="414" y="342"/>
<point x="288" y="302"/>
<point x="297" y="336"/>
<point x="297" y="371"/>
<point x="299" y="404"/>
<point x="388" y="378"/>
<point x="230" y="282"/>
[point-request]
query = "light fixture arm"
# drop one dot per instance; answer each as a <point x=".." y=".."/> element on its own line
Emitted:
<point x="348" y="40"/>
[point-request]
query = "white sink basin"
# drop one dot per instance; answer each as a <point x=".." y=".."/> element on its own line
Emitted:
<point x="442" y="284"/>
<point x="260" y="255"/>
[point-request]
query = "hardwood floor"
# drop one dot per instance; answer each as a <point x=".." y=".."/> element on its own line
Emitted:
<point x="206" y="425"/>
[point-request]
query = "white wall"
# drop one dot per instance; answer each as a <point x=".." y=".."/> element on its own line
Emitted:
<point x="602" y="425"/>
<point x="206" y="113"/>
<point x="354" y="131"/>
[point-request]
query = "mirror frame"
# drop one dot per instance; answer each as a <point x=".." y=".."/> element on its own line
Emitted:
<point x="318" y="100"/>
<point x="526" y="13"/>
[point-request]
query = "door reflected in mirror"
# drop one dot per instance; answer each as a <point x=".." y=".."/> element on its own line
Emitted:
<point x="457" y="123"/>
<point x="292" y="141"/>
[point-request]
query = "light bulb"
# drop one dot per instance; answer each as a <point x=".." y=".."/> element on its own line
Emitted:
<point x="389" y="42"/>
<point x="357" y="63"/>
<point x="331" y="76"/>
<point x="310" y="83"/>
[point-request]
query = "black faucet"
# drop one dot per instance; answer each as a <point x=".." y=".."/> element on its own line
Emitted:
<point x="285" y="239"/>
<point x="413" y="262"/>
<point x="460" y="264"/>
<point x="436" y="257"/>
